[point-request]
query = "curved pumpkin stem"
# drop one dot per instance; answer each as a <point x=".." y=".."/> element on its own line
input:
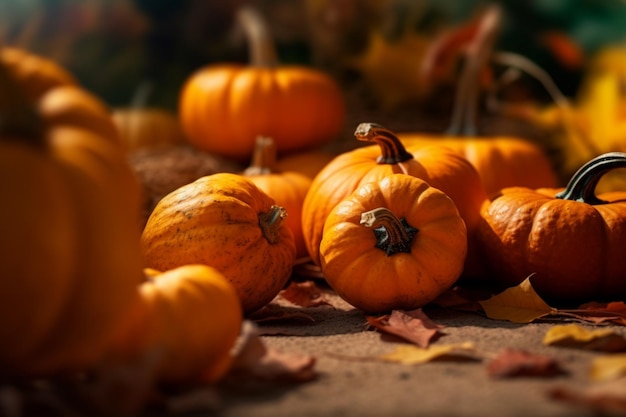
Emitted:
<point x="260" y="41"/>
<point x="582" y="185"/>
<point x="263" y="157"/>
<point x="270" y="222"/>
<point x="392" y="151"/>
<point x="393" y="235"/>
<point x="18" y="116"/>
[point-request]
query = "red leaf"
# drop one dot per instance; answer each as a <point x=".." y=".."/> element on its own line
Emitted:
<point x="256" y="360"/>
<point x="304" y="294"/>
<point x="413" y="326"/>
<point x="515" y="363"/>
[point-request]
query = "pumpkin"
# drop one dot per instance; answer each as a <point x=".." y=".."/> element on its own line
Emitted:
<point x="69" y="254"/>
<point x="570" y="240"/>
<point x="397" y="243"/>
<point x="308" y="163"/>
<point x="501" y="161"/>
<point x="288" y="188"/>
<point x="35" y="74"/>
<point x="224" y="107"/>
<point x="226" y="222"/>
<point x="193" y="316"/>
<point x="441" y="167"/>
<point x="147" y="127"/>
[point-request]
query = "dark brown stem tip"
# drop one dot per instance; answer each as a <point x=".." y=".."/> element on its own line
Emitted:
<point x="270" y="222"/>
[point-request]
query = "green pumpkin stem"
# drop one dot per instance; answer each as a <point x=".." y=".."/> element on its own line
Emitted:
<point x="263" y="157"/>
<point x="392" y="151"/>
<point x="270" y="222"/>
<point x="260" y="41"/>
<point x="582" y="185"/>
<point x="393" y="235"/>
<point x="18" y="116"/>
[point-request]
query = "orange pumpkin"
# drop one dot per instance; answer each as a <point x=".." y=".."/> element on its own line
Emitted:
<point x="72" y="202"/>
<point x="224" y="107"/>
<point x="441" y="167"/>
<point x="393" y="244"/>
<point x="308" y="163"/>
<point x="570" y="241"/>
<point x="224" y="221"/>
<point x="193" y="317"/>
<point x="288" y="188"/>
<point x="500" y="161"/>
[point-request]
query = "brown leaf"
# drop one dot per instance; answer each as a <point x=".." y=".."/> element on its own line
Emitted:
<point x="575" y="336"/>
<point x="273" y="312"/>
<point x="515" y="363"/>
<point x="519" y="304"/>
<point x="256" y="360"/>
<point x="608" y="398"/>
<point x="413" y="326"/>
<point x="304" y="294"/>
<point x="613" y="312"/>
<point x="454" y="300"/>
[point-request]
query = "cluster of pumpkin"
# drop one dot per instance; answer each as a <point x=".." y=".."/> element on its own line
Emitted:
<point x="392" y="224"/>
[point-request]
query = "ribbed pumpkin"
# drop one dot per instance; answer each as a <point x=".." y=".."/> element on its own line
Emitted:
<point x="395" y="244"/>
<point x="192" y="317"/>
<point x="287" y="188"/>
<point x="147" y="127"/>
<point x="441" y="167"/>
<point x="70" y="259"/>
<point x="224" y="107"/>
<point x="570" y="241"/>
<point x="226" y="222"/>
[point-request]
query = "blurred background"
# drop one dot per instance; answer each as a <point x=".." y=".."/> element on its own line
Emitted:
<point x="118" y="47"/>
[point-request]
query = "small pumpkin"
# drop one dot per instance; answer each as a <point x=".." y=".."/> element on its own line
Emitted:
<point x="224" y="107"/>
<point x="193" y="317"/>
<point x="397" y="243"/>
<point x="72" y="202"/>
<point x="226" y="222"/>
<point x="287" y="188"/>
<point x="570" y="240"/>
<point x="441" y="167"/>
<point x="147" y="127"/>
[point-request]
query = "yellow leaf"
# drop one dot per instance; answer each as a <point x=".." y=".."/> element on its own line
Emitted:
<point x="573" y="335"/>
<point x="608" y="367"/>
<point x="413" y="355"/>
<point x="519" y="304"/>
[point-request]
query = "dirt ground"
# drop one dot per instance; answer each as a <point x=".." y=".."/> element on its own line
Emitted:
<point x="352" y="382"/>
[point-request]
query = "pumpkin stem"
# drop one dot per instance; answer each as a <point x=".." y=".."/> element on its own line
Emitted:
<point x="464" y="114"/>
<point x="392" y="151"/>
<point x="260" y="41"/>
<point x="582" y="185"/>
<point x="18" y="116"/>
<point x="270" y="222"/>
<point x="263" y="157"/>
<point x="393" y="235"/>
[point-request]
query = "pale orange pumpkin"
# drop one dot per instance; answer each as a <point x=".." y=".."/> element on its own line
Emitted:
<point x="226" y="222"/>
<point x="147" y="127"/>
<point x="224" y="107"/>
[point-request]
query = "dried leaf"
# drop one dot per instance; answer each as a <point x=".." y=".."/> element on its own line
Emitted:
<point x="273" y="312"/>
<point x="254" y="359"/>
<point x="608" y="367"/>
<point x="454" y="300"/>
<point x="515" y="363"/>
<point x="413" y="355"/>
<point x="607" y="398"/>
<point x="573" y="335"/>
<point x="413" y="326"/>
<point x="304" y="294"/>
<point x="519" y="304"/>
